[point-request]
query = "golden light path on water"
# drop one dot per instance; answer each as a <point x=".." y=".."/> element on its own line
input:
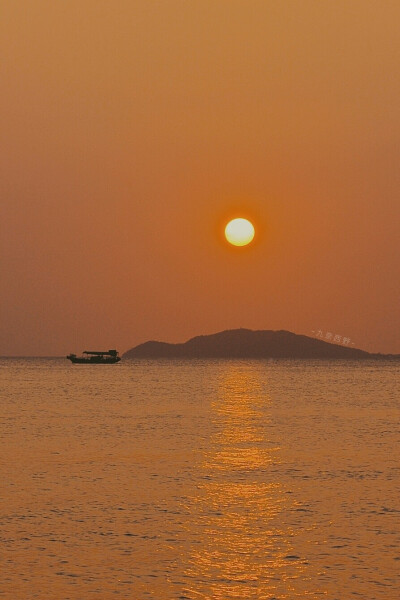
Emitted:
<point x="241" y="548"/>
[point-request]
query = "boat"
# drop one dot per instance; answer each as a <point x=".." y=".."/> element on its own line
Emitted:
<point x="94" y="357"/>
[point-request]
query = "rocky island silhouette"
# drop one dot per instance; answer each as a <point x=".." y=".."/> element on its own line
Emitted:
<point x="247" y="343"/>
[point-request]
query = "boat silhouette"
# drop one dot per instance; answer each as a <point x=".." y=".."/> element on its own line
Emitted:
<point x="94" y="357"/>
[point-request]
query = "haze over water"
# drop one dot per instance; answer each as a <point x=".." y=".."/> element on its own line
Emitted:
<point x="133" y="131"/>
<point x="199" y="479"/>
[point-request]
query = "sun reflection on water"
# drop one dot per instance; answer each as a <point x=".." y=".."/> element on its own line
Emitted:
<point x="240" y="549"/>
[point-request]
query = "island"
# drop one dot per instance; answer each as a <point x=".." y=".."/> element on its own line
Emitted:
<point x="247" y="343"/>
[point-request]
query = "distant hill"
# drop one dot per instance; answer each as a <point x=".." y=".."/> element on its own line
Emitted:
<point x="245" y="343"/>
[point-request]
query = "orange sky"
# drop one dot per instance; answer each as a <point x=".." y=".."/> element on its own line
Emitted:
<point x="131" y="129"/>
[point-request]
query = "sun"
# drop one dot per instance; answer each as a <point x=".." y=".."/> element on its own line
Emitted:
<point x="239" y="232"/>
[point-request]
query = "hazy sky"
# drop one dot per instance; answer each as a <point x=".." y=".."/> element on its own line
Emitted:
<point x="130" y="130"/>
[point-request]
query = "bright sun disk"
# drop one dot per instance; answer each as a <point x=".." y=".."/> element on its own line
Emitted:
<point x="239" y="232"/>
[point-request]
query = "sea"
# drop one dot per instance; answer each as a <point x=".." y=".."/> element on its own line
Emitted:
<point x="197" y="479"/>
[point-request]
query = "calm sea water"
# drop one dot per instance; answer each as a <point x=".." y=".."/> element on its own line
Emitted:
<point x="199" y="479"/>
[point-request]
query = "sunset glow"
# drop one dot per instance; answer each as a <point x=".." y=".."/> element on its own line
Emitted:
<point x="199" y="324"/>
<point x="239" y="232"/>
